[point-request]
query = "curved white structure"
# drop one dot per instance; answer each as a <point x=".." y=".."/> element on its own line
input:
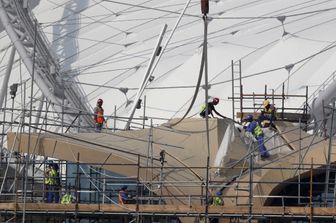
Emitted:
<point x="321" y="108"/>
<point x="40" y="61"/>
<point x="104" y="47"/>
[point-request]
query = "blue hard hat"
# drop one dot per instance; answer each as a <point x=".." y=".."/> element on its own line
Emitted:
<point x="49" y="162"/>
<point x="249" y="118"/>
<point x="219" y="193"/>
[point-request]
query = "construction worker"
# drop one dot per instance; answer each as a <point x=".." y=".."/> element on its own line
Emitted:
<point x="211" y="108"/>
<point x="99" y="115"/>
<point x="267" y="115"/>
<point x="67" y="198"/>
<point x="123" y="196"/>
<point x="52" y="183"/>
<point x="217" y="201"/>
<point x="254" y="128"/>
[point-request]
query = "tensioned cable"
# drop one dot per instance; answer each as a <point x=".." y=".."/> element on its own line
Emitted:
<point x="148" y="38"/>
<point x="233" y="17"/>
<point x="95" y="21"/>
<point x="294" y="21"/>
<point x="107" y="21"/>
<point x="161" y="6"/>
<point x="151" y="8"/>
<point x="253" y="74"/>
<point x="274" y="69"/>
<point x="82" y="38"/>
<point x="276" y="11"/>
<point x="104" y="7"/>
<point x="274" y="17"/>
<point x="192" y="86"/>
<point x="89" y="6"/>
<point x="304" y="63"/>
<point x="123" y="32"/>
<point x="279" y="68"/>
<point x="65" y="5"/>
<point x="119" y="75"/>
<point x="217" y="83"/>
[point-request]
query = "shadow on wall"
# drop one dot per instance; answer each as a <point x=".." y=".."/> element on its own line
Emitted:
<point x="66" y="31"/>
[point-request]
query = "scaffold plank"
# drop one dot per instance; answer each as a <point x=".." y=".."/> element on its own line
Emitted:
<point x="178" y="210"/>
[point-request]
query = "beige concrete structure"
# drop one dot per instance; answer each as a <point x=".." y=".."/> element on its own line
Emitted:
<point x="283" y="165"/>
<point x="186" y="147"/>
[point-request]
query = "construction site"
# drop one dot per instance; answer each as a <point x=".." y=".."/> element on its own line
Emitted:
<point x="154" y="146"/>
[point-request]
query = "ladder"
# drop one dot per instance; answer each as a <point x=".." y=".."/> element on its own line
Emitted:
<point x="236" y="87"/>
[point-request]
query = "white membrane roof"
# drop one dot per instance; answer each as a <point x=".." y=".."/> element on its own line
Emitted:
<point x="107" y="46"/>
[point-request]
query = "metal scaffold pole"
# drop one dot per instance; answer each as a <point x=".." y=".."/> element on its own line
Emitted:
<point x="146" y="77"/>
<point x="27" y="158"/>
<point x="327" y="176"/>
<point x="250" y="182"/>
<point x="205" y="11"/>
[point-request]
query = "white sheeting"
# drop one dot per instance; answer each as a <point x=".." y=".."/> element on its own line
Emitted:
<point x="224" y="148"/>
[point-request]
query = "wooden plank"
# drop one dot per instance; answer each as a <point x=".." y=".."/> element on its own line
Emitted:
<point x="245" y="114"/>
<point x="290" y="117"/>
<point x="168" y="209"/>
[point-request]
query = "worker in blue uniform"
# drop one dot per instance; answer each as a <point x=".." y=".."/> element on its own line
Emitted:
<point x="254" y="128"/>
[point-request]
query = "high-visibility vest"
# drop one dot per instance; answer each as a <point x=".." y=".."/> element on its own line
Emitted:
<point x="267" y="111"/>
<point x="203" y="107"/>
<point x="66" y="199"/>
<point x="51" y="178"/>
<point x="100" y="116"/>
<point x="218" y="201"/>
<point x="257" y="131"/>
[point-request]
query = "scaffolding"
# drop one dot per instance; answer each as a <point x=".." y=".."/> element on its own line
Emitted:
<point x="24" y="192"/>
<point x="99" y="200"/>
<point x="312" y="187"/>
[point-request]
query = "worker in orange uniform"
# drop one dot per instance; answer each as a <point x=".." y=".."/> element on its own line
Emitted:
<point x="123" y="196"/>
<point x="211" y="108"/>
<point x="99" y="115"/>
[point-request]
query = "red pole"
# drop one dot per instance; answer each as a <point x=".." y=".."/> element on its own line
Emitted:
<point x="205" y="6"/>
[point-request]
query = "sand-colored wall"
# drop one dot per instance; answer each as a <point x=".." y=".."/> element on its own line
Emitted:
<point x="185" y="145"/>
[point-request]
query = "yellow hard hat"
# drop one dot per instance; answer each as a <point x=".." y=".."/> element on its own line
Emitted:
<point x="266" y="102"/>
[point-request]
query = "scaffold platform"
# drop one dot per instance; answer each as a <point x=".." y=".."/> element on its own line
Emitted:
<point x="166" y="210"/>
